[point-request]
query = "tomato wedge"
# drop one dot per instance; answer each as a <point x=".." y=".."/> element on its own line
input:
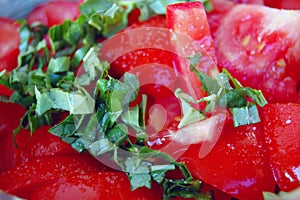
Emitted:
<point x="54" y="13"/>
<point x="9" y="42"/>
<point x="9" y="120"/>
<point x="181" y="18"/>
<point x="63" y="177"/>
<point x="237" y="165"/>
<point x="41" y="143"/>
<point x="282" y="130"/>
<point x="260" y="48"/>
<point x="283" y="4"/>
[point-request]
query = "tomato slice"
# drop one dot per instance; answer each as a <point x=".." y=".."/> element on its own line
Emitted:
<point x="104" y="185"/>
<point x="237" y="165"/>
<point x="283" y="4"/>
<point x="9" y="120"/>
<point x="281" y="129"/>
<point x="215" y="16"/>
<point x="190" y="20"/>
<point x="41" y="143"/>
<point x="258" y="2"/>
<point x="64" y="176"/>
<point x="54" y="13"/>
<point x="9" y="42"/>
<point x="260" y="49"/>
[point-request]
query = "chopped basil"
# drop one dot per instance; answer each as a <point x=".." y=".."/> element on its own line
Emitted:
<point x="240" y="100"/>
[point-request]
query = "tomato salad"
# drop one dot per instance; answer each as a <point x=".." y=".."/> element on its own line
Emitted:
<point x="211" y="93"/>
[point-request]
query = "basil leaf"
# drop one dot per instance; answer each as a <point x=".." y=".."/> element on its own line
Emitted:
<point x="158" y="172"/>
<point x="226" y="92"/>
<point x="190" y="114"/>
<point x="245" y="115"/>
<point x="138" y="173"/>
<point x="59" y="65"/>
<point x="75" y="102"/>
<point x="118" y="134"/>
<point x="65" y="130"/>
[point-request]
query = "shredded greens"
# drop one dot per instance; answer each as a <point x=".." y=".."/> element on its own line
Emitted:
<point x="101" y="120"/>
<point x="224" y="91"/>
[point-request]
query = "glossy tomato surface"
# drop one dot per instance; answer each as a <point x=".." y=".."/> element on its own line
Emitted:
<point x="237" y="164"/>
<point x="283" y="143"/>
<point x="9" y="42"/>
<point x="54" y="13"/>
<point x="9" y="120"/>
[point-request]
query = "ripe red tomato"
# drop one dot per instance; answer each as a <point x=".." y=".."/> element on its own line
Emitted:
<point x="41" y="143"/>
<point x="190" y="19"/>
<point x="258" y="2"/>
<point x="237" y="165"/>
<point x="62" y="177"/>
<point x="260" y="49"/>
<point x="281" y="130"/>
<point x="9" y="42"/>
<point x="283" y="4"/>
<point x="9" y="120"/>
<point x="54" y="13"/>
<point x="94" y="186"/>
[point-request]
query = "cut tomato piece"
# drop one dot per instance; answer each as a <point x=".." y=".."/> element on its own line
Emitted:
<point x="257" y="2"/>
<point x="237" y="165"/>
<point x="216" y="15"/>
<point x="95" y="186"/>
<point x="9" y="120"/>
<point x="63" y="177"/>
<point x="9" y="42"/>
<point x="190" y="20"/>
<point x="282" y="133"/>
<point x="4" y="91"/>
<point x="41" y="143"/>
<point x="283" y="4"/>
<point x="260" y="48"/>
<point x="54" y="13"/>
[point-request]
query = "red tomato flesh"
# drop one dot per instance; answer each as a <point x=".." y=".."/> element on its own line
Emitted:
<point x="9" y="43"/>
<point x="237" y="165"/>
<point x="63" y="177"/>
<point x="54" y="13"/>
<point x="260" y="48"/>
<point x="282" y="131"/>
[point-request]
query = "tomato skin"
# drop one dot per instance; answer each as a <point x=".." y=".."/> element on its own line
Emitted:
<point x="9" y="42"/>
<point x="4" y="91"/>
<point x="137" y="57"/>
<point x="237" y="165"/>
<point x="181" y="18"/>
<point x="104" y="185"/>
<point x="283" y="4"/>
<point x="62" y="177"/>
<point x="54" y="13"/>
<point x="22" y="179"/>
<point x="190" y="20"/>
<point x="9" y="120"/>
<point x="258" y="2"/>
<point x="41" y="143"/>
<point x="281" y="130"/>
<point x="133" y="17"/>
